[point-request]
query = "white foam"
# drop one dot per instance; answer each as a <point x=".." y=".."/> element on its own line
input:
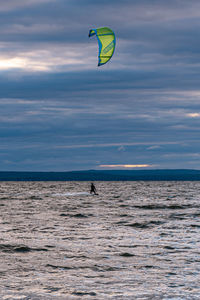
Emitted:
<point x="73" y="194"/>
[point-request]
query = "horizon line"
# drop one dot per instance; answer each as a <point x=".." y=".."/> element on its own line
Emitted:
<point x="100" y="170"/>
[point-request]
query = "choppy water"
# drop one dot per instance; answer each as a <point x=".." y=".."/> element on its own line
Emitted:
<point x="135" y="240"/>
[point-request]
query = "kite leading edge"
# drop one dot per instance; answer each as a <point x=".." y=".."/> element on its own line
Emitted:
<point x="106" y="40"/>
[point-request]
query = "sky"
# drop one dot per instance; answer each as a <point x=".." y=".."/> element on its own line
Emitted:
<point x="60" y="112"/>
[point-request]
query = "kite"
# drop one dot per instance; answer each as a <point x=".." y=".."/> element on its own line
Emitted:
<point x="106" y="40"/>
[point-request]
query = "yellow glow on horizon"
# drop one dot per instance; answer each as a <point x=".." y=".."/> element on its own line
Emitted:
<point x="125" y="166"/>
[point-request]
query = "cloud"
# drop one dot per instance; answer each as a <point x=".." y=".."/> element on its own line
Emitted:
<point x="97" y="145"/>
<point x="193" y="115"/>
<point x="121" y="148"/>
<point x="155" y="147"/>
<point x="55" y="100"/>
<point x="15" y="4"/>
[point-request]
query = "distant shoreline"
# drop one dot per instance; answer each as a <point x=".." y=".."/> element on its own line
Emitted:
<point x="104" y="175"/>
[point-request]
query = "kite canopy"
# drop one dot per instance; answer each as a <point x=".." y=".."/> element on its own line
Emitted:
<point x="106" y="40"/>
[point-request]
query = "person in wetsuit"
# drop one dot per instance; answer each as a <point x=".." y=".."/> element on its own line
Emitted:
<point x="93" y="189"/>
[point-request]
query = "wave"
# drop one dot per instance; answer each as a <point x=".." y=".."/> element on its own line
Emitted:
<point x="18" y="248"/>
<point x="145" y="225"/>
<point x="79" y="215"/>
<point x="161" y="206"/>
<point x="126" y="254"/>
<point x="84" y="293"/>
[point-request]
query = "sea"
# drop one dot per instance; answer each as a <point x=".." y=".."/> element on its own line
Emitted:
<point x="134" y="240"/>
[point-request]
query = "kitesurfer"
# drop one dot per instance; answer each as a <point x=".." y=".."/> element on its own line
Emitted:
<point x="93" y="189"/>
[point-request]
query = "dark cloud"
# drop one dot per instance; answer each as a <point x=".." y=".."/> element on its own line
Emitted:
<point x="60" y="112"/>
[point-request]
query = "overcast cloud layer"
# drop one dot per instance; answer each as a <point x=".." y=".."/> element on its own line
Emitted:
<point x="59" y="111"/>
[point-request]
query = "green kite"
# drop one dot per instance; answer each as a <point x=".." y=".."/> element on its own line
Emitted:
<point x="107" y="41"/>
